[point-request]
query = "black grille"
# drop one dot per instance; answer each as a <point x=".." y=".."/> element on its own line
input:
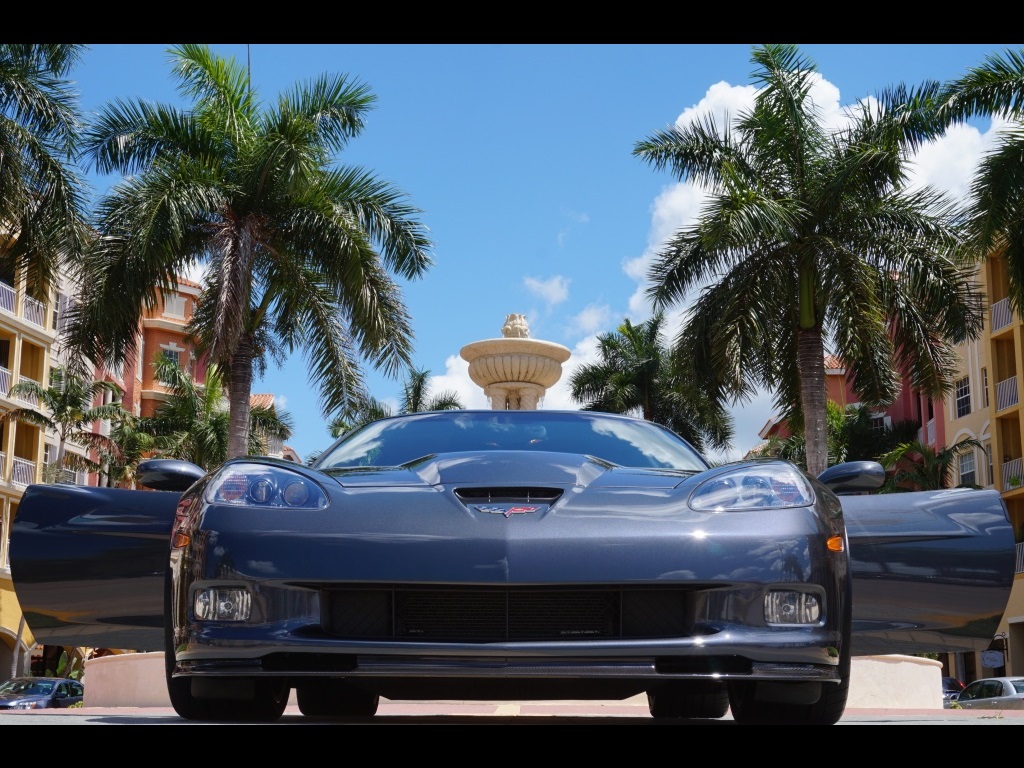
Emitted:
<point x="485" y="614"/>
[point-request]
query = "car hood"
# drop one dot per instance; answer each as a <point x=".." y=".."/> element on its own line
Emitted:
<point x="19" y="697"/>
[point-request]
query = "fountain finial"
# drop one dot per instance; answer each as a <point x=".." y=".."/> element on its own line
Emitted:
<point x="515" y="327"/>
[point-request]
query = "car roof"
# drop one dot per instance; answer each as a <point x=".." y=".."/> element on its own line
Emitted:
<point x="31" y="679"/>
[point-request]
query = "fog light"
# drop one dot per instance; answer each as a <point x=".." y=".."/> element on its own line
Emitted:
<point x="791" y="607"/>
<point x="222" y="604"/>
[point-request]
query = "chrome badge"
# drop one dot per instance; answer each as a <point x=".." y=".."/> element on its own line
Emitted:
<point x="507" y="509"/>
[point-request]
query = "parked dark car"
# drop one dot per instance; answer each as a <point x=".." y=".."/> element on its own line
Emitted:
<point x="488" y="555"/>
<point x="993" y="693"/>
<point x="40" y="693"/>
<point x="951" y="686"/>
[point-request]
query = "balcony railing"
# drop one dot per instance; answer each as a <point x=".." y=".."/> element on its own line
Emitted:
<point x="1006" y="393"/>
<point x="1013" y="470"/>
<point x="1001" y="314"/>
<point x="23" y="472"/>
<point x="35" y="311"/>
<point x="25" y="397"/>
<point x="1020" y="557"/>
<point x="7" y="297"/>
<point x="69" y="476"/>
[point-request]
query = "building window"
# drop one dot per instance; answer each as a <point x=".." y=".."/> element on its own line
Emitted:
<point x="172" y="354"/>
<point x="879" y="422"/>
<point x="967" y="474"/>
<point x="174" y="305"/>
<point x="984" y="386"/>
<point x="988" y="457"/>
<point x="963" y="397"/>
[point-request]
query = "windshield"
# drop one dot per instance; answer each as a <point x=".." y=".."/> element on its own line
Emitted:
<point x="26" y="686"/>
<point x="617" y="440"/>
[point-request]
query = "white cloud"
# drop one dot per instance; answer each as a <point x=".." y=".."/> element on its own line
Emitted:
<point x="591" y="319"/>
<point x="558" y="397"/>
<point x="553" y="291"/>
<point x="949" y="162"/>
<point x="456" y="379"/>
<point x="722" y="101"/>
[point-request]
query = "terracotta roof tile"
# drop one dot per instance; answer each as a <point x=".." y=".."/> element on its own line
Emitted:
<point x="261" y="400"/>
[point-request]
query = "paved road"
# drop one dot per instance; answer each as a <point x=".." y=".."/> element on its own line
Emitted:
<point x="628" y="712"/>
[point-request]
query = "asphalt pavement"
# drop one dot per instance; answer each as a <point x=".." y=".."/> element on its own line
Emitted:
<point x="631" y="711"/>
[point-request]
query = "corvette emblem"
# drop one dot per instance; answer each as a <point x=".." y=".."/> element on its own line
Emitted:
<point x="505" y="509"/>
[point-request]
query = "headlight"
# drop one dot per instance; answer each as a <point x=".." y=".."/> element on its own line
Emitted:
<point x="27" y="705"/>
<point x="769" y="485"/>
<point x="261" y="485"/>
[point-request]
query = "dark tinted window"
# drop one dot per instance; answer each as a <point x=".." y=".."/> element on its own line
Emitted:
<point x="622" y="441"/>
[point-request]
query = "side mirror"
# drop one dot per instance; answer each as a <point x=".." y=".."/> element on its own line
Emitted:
<point x="854" y="477"/>
<point x="168" y="474"/>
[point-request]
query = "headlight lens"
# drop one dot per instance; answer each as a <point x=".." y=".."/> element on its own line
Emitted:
<point x="261" y="485"/>
<point x="771" y="485"/>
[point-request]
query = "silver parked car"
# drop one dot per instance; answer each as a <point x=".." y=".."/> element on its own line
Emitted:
<point x="993" y="693"/>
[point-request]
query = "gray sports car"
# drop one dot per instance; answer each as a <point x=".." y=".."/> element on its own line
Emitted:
<point x="512" y="555"/>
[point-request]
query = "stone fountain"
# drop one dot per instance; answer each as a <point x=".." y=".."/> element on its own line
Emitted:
<point x="515" y="371"/>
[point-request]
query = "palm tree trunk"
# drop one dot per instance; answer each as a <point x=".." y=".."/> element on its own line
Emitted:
<point x="17" y="647"/>
<point x="239" y="391"/>
<point x="811" y="365"/>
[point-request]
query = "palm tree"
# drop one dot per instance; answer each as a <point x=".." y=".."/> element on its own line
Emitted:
<point x="793" y="447"/>
<point x="132" y="443"/>
<point x="416" y="398"/>
<point x="851" y="437"/>
<point x="995" y="218"/>
<point x="811" y="236"/>
<point x="41" y="194"/>
<point x="920" y="467"/>
<point x="193" y="423"/>
<point x="298" y="255"/>
<point x="67" y="409"/>
<point x="637" y="373"/>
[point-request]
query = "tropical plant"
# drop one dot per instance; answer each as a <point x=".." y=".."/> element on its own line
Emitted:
<point x="71" y="664"/>
<point x="131" y="443"/>
<point x="67" y="409"/>
<point x="793" y="447"/>
<point x="995" y="216"/>
<point x="193" y="423"/>
<point x="851" y="437"/>
<point x="41" y="194"/>
<point x="416" y="398"/>
<point x="637" y="373"/>
<point x="812" y="237"/>
<point x="920" y="467"/>
<point x="297" y="254"/>
<point x="866" y="442"/>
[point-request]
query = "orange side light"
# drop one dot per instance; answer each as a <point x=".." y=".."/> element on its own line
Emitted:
<point x="179" y="539"/>
<point x="834" y="543"/>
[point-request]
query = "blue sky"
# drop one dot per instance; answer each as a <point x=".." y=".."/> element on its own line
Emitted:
<point x="520" y="159"/>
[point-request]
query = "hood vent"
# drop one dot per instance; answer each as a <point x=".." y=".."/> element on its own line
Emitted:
<point x="516" y="495"/>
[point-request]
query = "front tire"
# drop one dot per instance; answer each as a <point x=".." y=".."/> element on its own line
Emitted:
<point x="335" y="698"/>
<point x="268" y="702"/>
<point x="689" y="700"/>
<point x="827" y="710"/>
